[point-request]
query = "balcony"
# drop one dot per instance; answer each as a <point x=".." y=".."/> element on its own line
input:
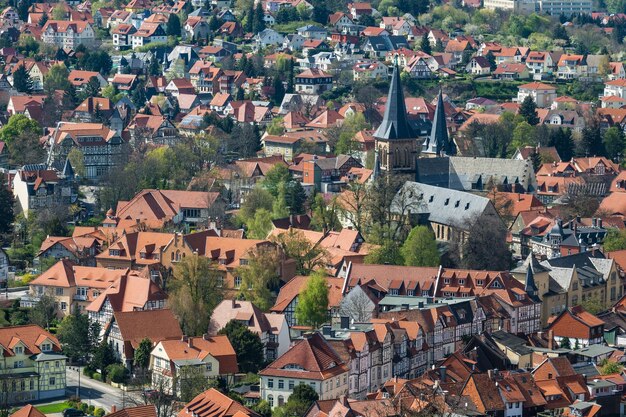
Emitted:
<point x="80" y="297"/>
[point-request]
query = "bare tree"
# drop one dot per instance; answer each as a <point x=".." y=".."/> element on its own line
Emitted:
<point x="357" y="305"/>
<point x="353" y="206"/>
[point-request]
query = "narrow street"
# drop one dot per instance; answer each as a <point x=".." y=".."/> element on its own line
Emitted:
<point x="98" y="393"/>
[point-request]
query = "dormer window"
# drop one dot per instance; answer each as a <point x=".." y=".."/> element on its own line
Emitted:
<point x="461" y="282"/>
<point x="496" y="284"/>
<point x="19" y="350"/>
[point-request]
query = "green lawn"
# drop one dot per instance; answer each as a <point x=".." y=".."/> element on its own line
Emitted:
<point x="53" y="408"/>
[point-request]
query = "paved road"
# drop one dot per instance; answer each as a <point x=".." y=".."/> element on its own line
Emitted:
<point x="97" y="393"/>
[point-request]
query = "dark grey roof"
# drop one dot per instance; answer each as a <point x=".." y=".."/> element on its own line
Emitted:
<point x="516" y="344"/>
<point x="433" y="171"/>
<point x="439" y="142"/>
<point x="395" y="124"/>
<point x="588" y="369"/>
<point x="578" y="259"/>
<point x="441" y="205"/>
<point x="499" y="171"/>
<point x="387" y="43"/>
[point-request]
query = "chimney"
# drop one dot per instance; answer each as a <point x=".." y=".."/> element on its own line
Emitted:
<point x="233" y="303"/>
<point x="551" y="339"/>
<point x="113" y="408"/>
<point x="594" y="222"/>
<point x="600" y="223"/>
<point x="292" y="220"/>
<point x="183" y="338"/>
<point x="578" y="219"/>
<point x="442" y="373"/>
<point x="205" y="336"/>
<point x="490" y="373"/>
<point x="344" y="321"/>
<point x="190" y="342"/>
<point x="343" y="400"/>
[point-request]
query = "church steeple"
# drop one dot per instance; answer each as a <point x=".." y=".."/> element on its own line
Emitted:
<point x="395" y="124"/>
<point x="439" y="142"/>
<point x="529" y="286"/>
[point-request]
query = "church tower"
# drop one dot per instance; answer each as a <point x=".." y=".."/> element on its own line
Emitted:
<point x="396" y="141"/>
<point x="439" y="143"/>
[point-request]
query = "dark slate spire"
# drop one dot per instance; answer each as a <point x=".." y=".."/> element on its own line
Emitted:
<point x="395" y="124"/>
<point x="530" y="287"/>
<point x="439" y="142"/>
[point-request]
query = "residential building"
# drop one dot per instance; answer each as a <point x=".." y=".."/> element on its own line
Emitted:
<point x="131" y="292"/>
<point x="567" y="281"/>
<point x="173" y="360"/>
<point x="310" y="361"/>
<point x="156" y="208"/>
<point x="100" y="146"/>
<point x="615" y="88"/>
<point x="79" y="249"/>
<point x="125" y="331"/>
<point x="543" y="94"/>
<point x="313" y="81"/>
<point x="122" y="36"/>
<point x="556" y="8"/>
<point x="578" y="326"/>
<point x="68" y="34"/>
<point x="35" y="187"/>
<point x="33" y="365"/>
<point x="271" y="328"/>
<point x="148" y="33"/>
<point x="73" y="286"/>
<point x="153" y="129"/>
<point x="518" y="6"/>
<point x="571" y="67"/>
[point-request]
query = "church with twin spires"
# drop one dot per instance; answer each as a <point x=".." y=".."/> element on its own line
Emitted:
<point x="397" y="141"/>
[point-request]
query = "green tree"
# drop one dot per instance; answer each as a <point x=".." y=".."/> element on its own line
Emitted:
<point x="608" y="367"/>
<point x="279" y="91"/>
<point x="56" y="79"/>
<point x="196" y="288"/>
<point x="103" y="356"/>
<point x="77" y="159"/>
<point x="258" y="20"/>
<point x="528" y="110"/>
<point x="614" y="142"/>
<point x="614" y="240"/>
<point x="92" y="88"/>
<point x="565" y="343"/>
<point x="22" y="81"/>
<point x="279" y="207"/>
<point x="7" y="215"/>
<point x="299" y="402"/>
<point x="260" y="276"/>
<point x="425" y="44"/>
<point x="523" y="135"/>
<point x="78" y="336"/>
<point x="141" y="358"/>
<point x="260" y="224"/>
<point x="247" y="345"/>
<point x="276" y="126"/>
<point x="17" y="125"/>
<point x="388" y="253"/>
<point x="258" y="198"/>
<point x="277" y="175"/>
<point x="44" y="312"/>
<point x="173" y="25"/>
<point x="420" y="248"/>
<point x="312" y="308"/>
<point x="59" y="13"/>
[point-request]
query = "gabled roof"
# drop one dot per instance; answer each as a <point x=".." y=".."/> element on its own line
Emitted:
<point x="213" y="403"/>
<point x="310" y="358"/>
<point x="139" y="411"/>
<point x="190" y="348"/>
<point x="30" y="336"/>
<point x="130" y="292"/>
<point x="155" y="325"/>
<point x="27" y="411"/>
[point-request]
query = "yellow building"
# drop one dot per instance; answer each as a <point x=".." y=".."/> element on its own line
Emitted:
<point x="572" y="280"/>
<point x="32" y="366"/>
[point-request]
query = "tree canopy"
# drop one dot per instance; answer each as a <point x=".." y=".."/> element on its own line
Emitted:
<point x="420" y="248"/>
<point x="312" y="308"/>
<point x="247" y="345"/>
